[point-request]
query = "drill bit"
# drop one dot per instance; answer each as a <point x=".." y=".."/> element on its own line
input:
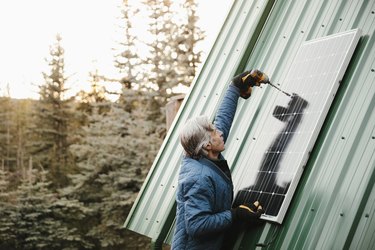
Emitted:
<point x="279" y="89"/>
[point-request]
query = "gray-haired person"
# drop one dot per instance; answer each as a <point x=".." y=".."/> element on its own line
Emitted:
<point x="205" y="189"/>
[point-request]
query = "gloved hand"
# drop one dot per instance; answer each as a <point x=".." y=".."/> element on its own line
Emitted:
<point x="248" y="79"/>
<point x="249" y="214"/>
<point x="259" y="77"/>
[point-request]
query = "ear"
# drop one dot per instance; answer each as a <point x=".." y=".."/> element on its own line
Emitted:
<point x="207" y="146"/>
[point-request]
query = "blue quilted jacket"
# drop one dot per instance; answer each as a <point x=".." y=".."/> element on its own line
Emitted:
<point x="204" y="194"/>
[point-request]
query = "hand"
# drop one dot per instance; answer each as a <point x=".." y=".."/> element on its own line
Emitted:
<point x="259" y="77"/>
<point x="245" y="83"/>
<point x="249" y="214"/>
<point x="248" y="79"/>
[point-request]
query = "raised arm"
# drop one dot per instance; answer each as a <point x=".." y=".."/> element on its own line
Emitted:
<point x="225" y="114"/>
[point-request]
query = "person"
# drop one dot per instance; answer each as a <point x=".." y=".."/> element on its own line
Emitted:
<point x="204" y="196"/>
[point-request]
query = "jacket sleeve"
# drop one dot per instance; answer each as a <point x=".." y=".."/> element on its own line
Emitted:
<point x="225" y="114"/>
<point x="200" y="218"/>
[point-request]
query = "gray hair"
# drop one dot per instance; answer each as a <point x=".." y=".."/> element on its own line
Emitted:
<point x="195" y="135"/>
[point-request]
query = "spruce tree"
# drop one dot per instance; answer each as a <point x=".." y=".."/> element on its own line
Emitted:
<point x="14" y="123"/>
<point x="22" y="121"/>
<point x="113" y="158"/>
<point x="162" y="55"/>
<point x="8" y="211"/>
<point x="127" y="59"/>
<point x="33" y="199"/>
<point x="46" y="220"/>
<point x="188" y="57"/>
<point x="52" y="118"/>
<point x="174" y="56"/>
<point x="94" y="98"/>
<point x="6" y="135"/>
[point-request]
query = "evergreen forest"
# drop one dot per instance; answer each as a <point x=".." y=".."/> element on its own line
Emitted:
<point x="72" y="166"/>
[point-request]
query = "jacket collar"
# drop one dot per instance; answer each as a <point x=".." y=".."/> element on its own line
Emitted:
<point x="210" y="164"/>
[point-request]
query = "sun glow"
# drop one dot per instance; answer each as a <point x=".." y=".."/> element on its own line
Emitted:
<point x="89" y="30"/>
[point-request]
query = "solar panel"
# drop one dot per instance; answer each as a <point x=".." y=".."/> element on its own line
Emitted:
<point x="280" y="149"/>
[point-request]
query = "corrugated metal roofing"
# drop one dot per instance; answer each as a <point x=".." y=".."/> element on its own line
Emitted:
<point x="333" y="207"/>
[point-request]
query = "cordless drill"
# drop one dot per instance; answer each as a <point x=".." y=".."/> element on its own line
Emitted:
<point x="247" y="80"/>
<point x="260" y="77"/>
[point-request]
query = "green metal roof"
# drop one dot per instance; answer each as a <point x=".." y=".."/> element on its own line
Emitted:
<point x="333" y="207"/>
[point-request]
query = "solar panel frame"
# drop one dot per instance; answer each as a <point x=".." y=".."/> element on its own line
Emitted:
<point x="313" y="78"/>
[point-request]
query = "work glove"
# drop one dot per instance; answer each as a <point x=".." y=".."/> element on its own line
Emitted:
<point x="248" y="214"/>
<point x="247" y="80"/>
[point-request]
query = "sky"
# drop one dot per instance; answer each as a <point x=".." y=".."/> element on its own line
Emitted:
<point x="89" y="29"/>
